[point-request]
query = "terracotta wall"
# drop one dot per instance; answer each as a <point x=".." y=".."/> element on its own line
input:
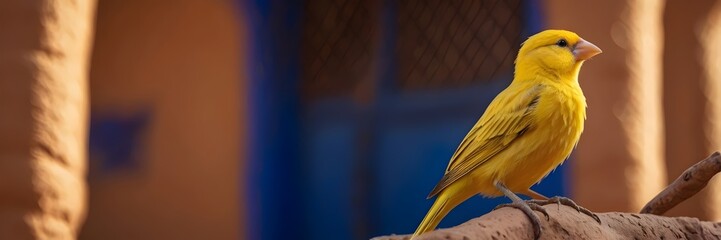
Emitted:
<point x="711" y="36"/>
<point x="182" y="61"/>
<point x="653" y="98"/>
<point x="619" y="162"/>
<point x="44" y="55"/>
<point x="691" y="97"/>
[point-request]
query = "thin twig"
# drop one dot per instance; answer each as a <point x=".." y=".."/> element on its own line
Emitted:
<point x="689" y="183"/>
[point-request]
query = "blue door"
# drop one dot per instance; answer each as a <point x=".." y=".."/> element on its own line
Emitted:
<point x="360" y="104"/>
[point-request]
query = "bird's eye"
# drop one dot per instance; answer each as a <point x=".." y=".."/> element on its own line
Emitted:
<point x="562" y="43"/>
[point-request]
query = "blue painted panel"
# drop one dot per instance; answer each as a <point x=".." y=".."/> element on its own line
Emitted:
<point x="329" y="143"/>
<point x="328" y="169"/>
<point x="412" y="159"/>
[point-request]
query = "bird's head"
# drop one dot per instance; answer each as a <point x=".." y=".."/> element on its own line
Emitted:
<point x="556" y="52"/>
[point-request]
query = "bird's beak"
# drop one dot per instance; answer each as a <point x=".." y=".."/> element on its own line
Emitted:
<point x="585" y="50"/>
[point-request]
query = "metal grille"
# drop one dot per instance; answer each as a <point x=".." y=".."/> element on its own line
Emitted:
<point x="439" y="43"/>
<point x="337" y="49"/>
<point x="455" y="43"/>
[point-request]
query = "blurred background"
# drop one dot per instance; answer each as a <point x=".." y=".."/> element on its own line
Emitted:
<point x="324" y="119"/>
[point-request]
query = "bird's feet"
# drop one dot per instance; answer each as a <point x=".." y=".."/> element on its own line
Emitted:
<point x="568" y="202"/>
<point x="527" y="208"/>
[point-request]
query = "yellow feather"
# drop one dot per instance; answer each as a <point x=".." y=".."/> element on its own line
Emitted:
<point x="526" y="132"/>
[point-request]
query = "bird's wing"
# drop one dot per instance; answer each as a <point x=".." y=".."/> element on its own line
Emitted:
<point x="503" y="123"/>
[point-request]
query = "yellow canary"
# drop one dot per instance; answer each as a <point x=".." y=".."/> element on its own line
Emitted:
<point x="528" y="130"/>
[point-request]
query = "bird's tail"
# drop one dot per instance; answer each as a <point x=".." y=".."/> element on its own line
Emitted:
<point x="443" y="204"/>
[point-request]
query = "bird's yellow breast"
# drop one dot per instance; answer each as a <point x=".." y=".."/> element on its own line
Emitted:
<point x="558" y="123"/>
<point x="559" y="119"/>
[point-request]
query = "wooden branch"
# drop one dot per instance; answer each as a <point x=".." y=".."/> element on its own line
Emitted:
<point x="567" y="223"/>
<point x="689" y="183"/>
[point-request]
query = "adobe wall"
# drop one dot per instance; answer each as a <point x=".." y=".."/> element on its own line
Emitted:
<point x="183" y="61"/>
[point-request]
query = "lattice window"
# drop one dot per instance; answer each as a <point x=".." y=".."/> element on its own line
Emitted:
<point x="337" y="51"/>
<point x="455" y="43"/>
<point x="440" y="43"/>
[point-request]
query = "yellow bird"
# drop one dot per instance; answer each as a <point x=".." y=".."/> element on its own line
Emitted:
<point x="528" y="130"/>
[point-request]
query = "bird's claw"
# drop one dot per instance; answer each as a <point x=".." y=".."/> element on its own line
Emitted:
<point x="528" y="209"/>
<point x="567" y="202"/>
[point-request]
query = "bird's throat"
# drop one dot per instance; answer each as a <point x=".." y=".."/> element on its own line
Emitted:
<point x="528" y="71"/>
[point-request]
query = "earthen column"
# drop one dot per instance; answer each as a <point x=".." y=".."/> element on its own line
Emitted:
<point x="44" y="53"/>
